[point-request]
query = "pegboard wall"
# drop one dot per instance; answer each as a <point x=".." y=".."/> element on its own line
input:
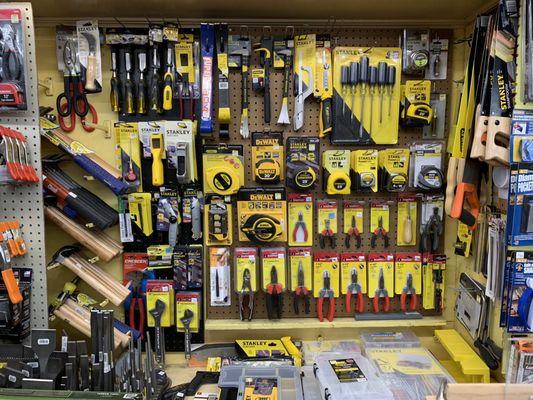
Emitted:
<point x="360" y="37"/>
<point x="24" y="202"/>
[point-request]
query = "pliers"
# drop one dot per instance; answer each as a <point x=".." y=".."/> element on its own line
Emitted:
<point x="381" y="293"/>
<point x="326" y="293"/>
<point x="327" y="233"/>
<point x="432" y="229"/>
<point x="353" y="231"/>
<point x="136" y="310"/>
<point x="301" y="292"/>
<point x="379" y="231"/>
<point x="410" y="291"/>
<point x="246" y="291"/>
<point x="354" y="288"/>
<point x="274" y="295"/>
<point x="300" y="227"/>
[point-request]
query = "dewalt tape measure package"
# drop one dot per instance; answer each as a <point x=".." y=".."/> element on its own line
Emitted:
<point x="262" y="215"/>
<point x="267" y="157"/>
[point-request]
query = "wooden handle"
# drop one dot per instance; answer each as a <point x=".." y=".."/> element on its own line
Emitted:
<point x="451" y="183"/>
<point x="480" y="138"/>
<point x="407" y="230"/>
<point x="498" y="132"/>
<point x="91" y="73"/>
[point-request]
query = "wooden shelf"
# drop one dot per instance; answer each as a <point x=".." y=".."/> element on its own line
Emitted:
<point x="313" y="323"/>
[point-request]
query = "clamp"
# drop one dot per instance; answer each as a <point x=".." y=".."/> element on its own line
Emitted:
<point x="300" y="227"/>
<point x="381" y="293"/>
<point x="410" y="291"/>
<point x="274" y="295"/>
<point x="301" y="292"/>
<point x="246" y="291"/>
<point x="379" y="231"/>
<point x="327" y="233"/>
<point x="354" y="288"/>
<point x="353" y="232"/>
<point x="326" y="293"/>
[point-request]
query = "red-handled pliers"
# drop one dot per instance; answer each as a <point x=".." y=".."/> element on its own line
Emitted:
<point x="381" y="293"/>
<point x="137" y="303"/>
<point x="326" y="293"/>
<point x="410" y="291"/>
<point x="354" y="288"/>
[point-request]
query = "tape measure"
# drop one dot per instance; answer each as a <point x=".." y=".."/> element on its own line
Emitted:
<point x="367" y="180"/>
<point x="303" y="176"/>
<point x="418" y="114"/>
<point x="223" y="180"/>
<point x="338" y="183"/>
<point x="261" y="228"/>
<point x="267" y="170"/>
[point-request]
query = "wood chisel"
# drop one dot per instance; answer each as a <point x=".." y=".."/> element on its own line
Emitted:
<point x="128" y="86"/>
<point x="141" y="85"/>
<point x="155" y="83"/>
<point x="168" y="81"/>
<point x="114" y="94"/>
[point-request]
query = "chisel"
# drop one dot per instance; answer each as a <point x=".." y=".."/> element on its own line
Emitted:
<point x="168" y="81"/>
<point x="114" y="98"/>
<point x="155" y="83"/>
<point x="141" y="86"/>
<point x="128" y="86"/>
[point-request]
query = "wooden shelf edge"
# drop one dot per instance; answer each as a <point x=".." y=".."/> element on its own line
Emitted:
<point x="307" y="323"/>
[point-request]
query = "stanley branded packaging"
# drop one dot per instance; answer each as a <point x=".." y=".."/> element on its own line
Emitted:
<point x="336" y="164"/>
<point x="366" y="94"/>
<point x="188" y="301"/>
<point x="304" y="74"/>
<point x="180" y="150"/>
<point x="393" y="169"/>
<point x="300" y="219"/>
<point x="303" y="162"/>
<point x="324" y="83"/>
<point x="267" y="157"/>
<point x="218" y="220"/>
<point x="128" y="154"/>
<point x="416" y="108"/>
<point x="426" y="166"/>
<point x="364" y="170"/>
<point x="262" y="215"/>
<point x="223" y="169"/>
<point x="408" y="279"/>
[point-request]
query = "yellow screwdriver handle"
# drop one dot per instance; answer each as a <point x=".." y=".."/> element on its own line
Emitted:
<point x="167" y="91"/>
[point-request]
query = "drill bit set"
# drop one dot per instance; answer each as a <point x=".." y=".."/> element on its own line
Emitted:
<point x="366" y="88"/>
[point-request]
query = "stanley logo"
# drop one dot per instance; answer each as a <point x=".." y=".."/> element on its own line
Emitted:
<point x="502" y="92"/>
<point x="262" y="197"/>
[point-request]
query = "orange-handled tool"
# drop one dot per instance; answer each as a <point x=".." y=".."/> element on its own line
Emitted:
<point x="466" y="192"/>
<point x="8" y="277"/>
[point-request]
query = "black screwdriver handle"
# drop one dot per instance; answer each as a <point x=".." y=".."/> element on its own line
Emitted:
<point x="363" y="69"/>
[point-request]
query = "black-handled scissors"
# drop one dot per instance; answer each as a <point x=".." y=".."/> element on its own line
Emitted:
<point x="73" y="96"/>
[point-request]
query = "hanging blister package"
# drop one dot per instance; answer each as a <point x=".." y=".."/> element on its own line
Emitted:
<point x="89" y="55"/>
<point x="12" y="84"/>
<point x="349" y="375"/>
<point x="207" y="37"/>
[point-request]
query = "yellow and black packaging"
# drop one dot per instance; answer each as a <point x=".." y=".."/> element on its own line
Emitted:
<point x="128" y="154"/>
<point x="405" y="264"/>
<point x="301" y="257"/>
<point x="246" y="260"/>
<point x="336" y="164"/>
<point x="300" y="208"/>
<point x="188" y="301"/>
<point x="393" y="169"/>
<point x="416" y="109"/>
<point x="223" y="167"/>
<point x="366" y="94"/>
<point x="364" y="170"/>
<point x="349" y="262"/>
<point x="407" y="221"/>
<point x="218" y="220"/>
<point x="380" y="263"/>
<point x="140" y="206"/>
<point x="326" y="264"/>
<point x="303" y="160"/>
<point x="268" y="157"/>
<point x="262" y="215"/>
<point x="274" y="259"/>
<point x="264" y="348"/>
<point x="324" y="83"/>
<point x="434" y="281"/>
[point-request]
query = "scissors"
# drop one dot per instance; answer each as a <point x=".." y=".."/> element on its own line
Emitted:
<point x="73" y="100"/>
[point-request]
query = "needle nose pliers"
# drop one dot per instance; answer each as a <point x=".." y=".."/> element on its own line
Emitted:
<point x="301" y="292"/>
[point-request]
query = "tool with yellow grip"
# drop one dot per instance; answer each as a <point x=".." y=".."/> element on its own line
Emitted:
<point x="168" y="81"/>
<point x="156" y="144"/>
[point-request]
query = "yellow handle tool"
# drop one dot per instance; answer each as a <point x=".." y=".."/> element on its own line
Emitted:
<point x="158" y="177"/>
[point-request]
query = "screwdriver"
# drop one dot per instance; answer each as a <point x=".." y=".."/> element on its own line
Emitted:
<point x="363" y="80"/>
<point x="114" y="99"/>
<point x="168" y="81"/>
<point x="382" y="81"/>
<point x="141" y="86"/>
<point x="128" y="86"/>
<point x="345" y="82"/>
<point x="391" y="80"/>
<point x="373" y="81"/>
<point x="155" y="83"/>
<point x="354" y="79"/>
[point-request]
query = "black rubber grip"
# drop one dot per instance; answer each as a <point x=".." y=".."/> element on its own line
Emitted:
<point x="391" y="75"/>
<point x="373" y="75"/>
<point x="382" y="72"/>
<point x="363" y="69"/>
<point x="354" y="73"/>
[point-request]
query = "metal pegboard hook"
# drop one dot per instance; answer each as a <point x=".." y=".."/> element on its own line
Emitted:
<point x="289" y="31"/>
<point x="120" y="22"/>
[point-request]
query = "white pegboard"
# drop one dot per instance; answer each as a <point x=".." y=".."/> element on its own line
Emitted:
<point x="24" y="202"/>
